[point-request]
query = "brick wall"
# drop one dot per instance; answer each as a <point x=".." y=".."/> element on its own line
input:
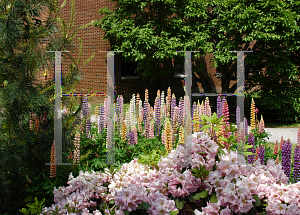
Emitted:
<point x="94" y="73"/>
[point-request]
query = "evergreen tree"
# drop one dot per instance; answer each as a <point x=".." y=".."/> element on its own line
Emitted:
<point x="27" y="116"/>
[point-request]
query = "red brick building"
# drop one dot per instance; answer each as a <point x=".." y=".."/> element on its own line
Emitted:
<point x="94" y="78"/>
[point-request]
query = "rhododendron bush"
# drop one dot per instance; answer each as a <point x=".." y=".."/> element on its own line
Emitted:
<point x="197" y="175"/>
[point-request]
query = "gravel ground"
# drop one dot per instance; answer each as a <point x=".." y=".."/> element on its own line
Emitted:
<point x="275" y="133"/>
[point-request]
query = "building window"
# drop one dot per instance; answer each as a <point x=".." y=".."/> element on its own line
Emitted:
<point x="128" y="69"/>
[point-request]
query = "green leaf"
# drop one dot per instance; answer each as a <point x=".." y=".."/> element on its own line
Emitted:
<point x="216" y="129"/>
<point x="201" y="195"/>
<point x="179" y="203"/>
<point x="24" y="210"/>
<point x="247" y="153"/>
<point x="144" y="206"/>
<point x="221" y="151"/>
<point x="205" y="127"/>
<point x="248" y="146"/>
<point x="174" y="212"/>
<point x="257" y="200"/>
<point x="213" y="198"/>
<point x="204" y="118"/>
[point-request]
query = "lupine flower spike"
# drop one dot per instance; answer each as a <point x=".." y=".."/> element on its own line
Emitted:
<point x="261" y="126"/>
<point x="158" y="115"/>
<point x="146" y="95"/>
<point x="281" y="142"/>
<point x="137" y="105"/>
<point x="207" y="109"/>
<point x="151" y="132"/>
<point x="262" y="155"/>
<point x="52" y="161"/>
<point x="256" y="118"/>
<point x="168" y="101"/>
<point x="296" y="173"/>
<point x="97" y="115"/>
<point x="275" y="151"/>
<point x="252" y="121"/>
<point x="277" y="160"/>
<point x="168" y="135"/>
<point x="196" y="127"/>
<point x="181" y="135"/>
<point x="123" y="132"/>
<point x="286" y="157"/>
<point x="257" y="152"/>
<point x="219" y="106"/>
<point x="251" y="142"/>
<point x="162" y="103"/>
<point x="146" y="118"/>
<point x="76" y="153"/>
<point x="225" y="113"/>
<point x="101" y="119"/>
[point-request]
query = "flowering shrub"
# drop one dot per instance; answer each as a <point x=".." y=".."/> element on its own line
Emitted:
<point x="226" y="186"/>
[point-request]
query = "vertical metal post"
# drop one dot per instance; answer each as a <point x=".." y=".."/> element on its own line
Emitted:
<point x="188" y="75"/>
<point x="110" y="102"/>
<point x="241" y="96"/>
<point x="57" y="111"/>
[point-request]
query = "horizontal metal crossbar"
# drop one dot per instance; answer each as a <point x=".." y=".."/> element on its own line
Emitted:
<point x="214" y="94"/>
<point x="89" y="94"/>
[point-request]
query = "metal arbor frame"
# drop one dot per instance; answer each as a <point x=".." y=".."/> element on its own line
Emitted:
<point x="111" y="95"/>
<point x="58" y="114"/>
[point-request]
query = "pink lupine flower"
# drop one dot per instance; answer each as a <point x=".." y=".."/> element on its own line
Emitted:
<point x="261" y="126"/>
<point x="151" y="132"/>
<point x="207" y="109"/>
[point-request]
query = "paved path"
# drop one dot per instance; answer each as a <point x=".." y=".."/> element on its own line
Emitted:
<point x="285" y="132"/>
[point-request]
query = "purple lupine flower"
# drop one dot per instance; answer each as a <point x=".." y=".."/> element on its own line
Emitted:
<point x="261" y="155"/>
<point x="286" y="157"/>
<point x="223" y="100"/>
<point x="251" y="142"/>
<point x="131" y="137"/>
<point x="246" y="127"/>
<point x="238" y="118"/>
<point x="101" y="119"/>
<point x="85" y="106"/>
<point x="146" y="119"/>
<point x="296" y="164"/>
<point x="135" y="135"/>
<point x="219" y="106"/>
<point x="88" y="128"/>
<point x="118" y="110"/>
<point x="157" y="120"/>
<point x="173" y="105"/>
<point x="175" y="116"/>
<point x="128" y="136"/>
<point x="180" y="112"/>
